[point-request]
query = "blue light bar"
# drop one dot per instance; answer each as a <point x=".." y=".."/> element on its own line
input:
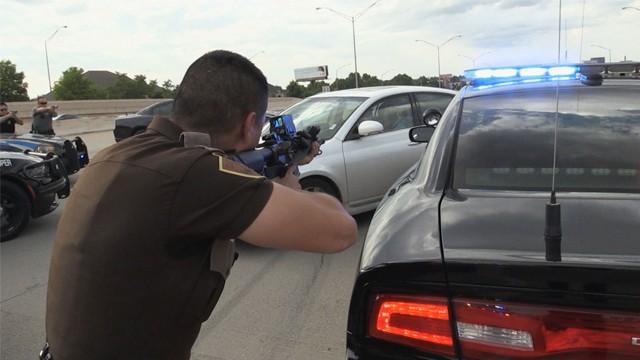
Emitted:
<point x="533" y="72"/>
<point x="502" y="75"/>
<point x="563" y="70"/>
<point x="505" y="73"/>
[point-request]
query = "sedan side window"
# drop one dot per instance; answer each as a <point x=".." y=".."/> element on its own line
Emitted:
<point x="438" y="101"/>
<point x="394" y="113"/>
<point x="163" y="109"/>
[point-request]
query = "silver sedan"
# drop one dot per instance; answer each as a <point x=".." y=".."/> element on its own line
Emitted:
<point x="366" y="133"/>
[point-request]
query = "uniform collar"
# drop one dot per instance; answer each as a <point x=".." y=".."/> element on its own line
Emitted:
<point x="166" y="127"/>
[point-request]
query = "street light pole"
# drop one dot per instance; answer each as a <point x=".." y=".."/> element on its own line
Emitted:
<point x="345" y="65"/>
<point x="438" y="50"/>
<point x="46" y="53"/>
<point x="355" y="57"/>
<point x="605" y="48"/>
<point x="474" y="59"/>
<point x="353" y="30"/>
<point x="631" y="8"/>
<point x="256" y="54"/>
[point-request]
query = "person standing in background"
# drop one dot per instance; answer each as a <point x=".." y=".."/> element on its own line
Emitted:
<point x="8" y="119"/>
<point x="43" y="117"/>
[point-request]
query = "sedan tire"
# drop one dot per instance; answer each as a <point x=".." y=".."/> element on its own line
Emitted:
<point x="319" y="185"/>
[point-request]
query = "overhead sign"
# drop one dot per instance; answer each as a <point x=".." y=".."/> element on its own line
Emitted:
<point x="311" y="73"/>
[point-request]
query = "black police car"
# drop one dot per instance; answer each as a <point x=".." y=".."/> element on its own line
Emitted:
<point x="456" y="264"/>
<point x="73" y="153"/>
<point x="29" y="185"/>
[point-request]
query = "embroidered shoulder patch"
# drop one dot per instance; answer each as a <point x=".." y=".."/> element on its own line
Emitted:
<point x="233" y="168"/>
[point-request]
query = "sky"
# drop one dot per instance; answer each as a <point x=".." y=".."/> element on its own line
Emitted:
<point x="161" y="38"/>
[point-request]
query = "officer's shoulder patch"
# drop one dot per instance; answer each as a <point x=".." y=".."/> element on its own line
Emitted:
<point x="233" y="168"/>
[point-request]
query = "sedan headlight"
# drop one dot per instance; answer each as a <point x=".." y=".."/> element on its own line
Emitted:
<point x="45" y="148"/>
<point x="38" y="171"/>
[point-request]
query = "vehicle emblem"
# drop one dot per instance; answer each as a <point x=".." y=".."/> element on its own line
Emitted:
<point x="635" y="341"/>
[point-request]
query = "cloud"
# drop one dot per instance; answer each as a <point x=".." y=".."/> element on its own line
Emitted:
<point x="161" y="38"/>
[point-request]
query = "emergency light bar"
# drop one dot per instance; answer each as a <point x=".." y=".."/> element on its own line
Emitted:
<point x="531" y="73"/>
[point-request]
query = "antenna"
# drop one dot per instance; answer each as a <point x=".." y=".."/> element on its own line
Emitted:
<point x="584" y="3"/>
<point x="553" y="223"/>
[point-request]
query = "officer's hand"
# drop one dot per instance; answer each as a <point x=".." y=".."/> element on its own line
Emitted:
<point x="290" y="179"/>
<point x="315" y="150"/>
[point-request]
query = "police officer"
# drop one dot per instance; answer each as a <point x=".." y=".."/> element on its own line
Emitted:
<point x="43" y="115"/>
<point x="8" y="119"/>
<point x="142" y="250"/>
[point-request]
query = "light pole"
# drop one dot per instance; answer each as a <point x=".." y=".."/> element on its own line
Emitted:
<point x="631" y="8"/>
<point x="385" y="73"/>
<point x="353" y="29"/>
<point x="438" y="48"/>
<point x="46" y="53"/>
<point x="256" y="54"/>
<point x="474" y="59"/>
<point x="337" y="69"/>
<point x="605" y="48"/>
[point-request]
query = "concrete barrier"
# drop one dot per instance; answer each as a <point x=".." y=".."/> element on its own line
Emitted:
<point x="122" y="106"/>
<point x="100" y="115"/>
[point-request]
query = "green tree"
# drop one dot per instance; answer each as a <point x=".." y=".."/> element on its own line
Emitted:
<point x="368" y="80"/>
<point x="11" y="88"/>
<point x="168" y="89"/>
<point x="400" y="79"/>
<point x="73" y="86"/>
<point x="295" y="90"/>
<point x="427" y="81"/>
<point x="126" y="88"/>
<point x="348" y="83"/>
<point x="314" y="87"/>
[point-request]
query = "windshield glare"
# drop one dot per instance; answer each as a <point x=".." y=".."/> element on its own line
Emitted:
<point x="328" y="113"/>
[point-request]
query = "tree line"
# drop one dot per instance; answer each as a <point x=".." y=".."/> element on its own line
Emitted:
<point x="72" y="85"/>
<point x="295" y="89"/>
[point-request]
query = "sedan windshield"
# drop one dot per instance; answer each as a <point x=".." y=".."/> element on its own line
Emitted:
<point x="328" y="113"/>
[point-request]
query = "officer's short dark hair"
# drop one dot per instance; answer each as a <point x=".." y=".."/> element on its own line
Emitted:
<point x="218" y="90"/>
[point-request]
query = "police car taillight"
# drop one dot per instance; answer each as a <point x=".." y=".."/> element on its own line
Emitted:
<point x="492" y="330"/>
<point x="416" y="321"/>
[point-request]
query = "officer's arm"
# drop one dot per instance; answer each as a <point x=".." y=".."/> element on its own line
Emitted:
<point x="300" y="220"/>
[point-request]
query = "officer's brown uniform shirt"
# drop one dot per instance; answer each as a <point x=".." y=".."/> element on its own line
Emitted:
<point x="130" y="272"/>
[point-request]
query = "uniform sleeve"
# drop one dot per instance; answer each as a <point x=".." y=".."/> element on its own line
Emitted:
<point x="218" y="199"/>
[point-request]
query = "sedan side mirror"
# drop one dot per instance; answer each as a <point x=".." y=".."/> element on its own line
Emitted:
<point x="431" y="117"/>
<point x="369" y="127"/>
<point x="421" y="134"/>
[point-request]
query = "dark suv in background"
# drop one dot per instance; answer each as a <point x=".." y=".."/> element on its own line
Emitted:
<point x="454" y="264"/>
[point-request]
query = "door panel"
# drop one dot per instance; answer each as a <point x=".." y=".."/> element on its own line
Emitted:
<point x="374" y="162"/>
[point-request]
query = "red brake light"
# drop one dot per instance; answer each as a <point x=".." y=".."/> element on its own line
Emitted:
<point x="497" y="331"/>
<point x="416" y="321"/>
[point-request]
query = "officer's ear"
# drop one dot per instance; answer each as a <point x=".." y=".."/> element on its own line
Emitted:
<point x="249" y="126"/>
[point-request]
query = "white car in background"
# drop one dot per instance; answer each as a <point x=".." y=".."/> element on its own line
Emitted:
<point x="366" y="133"/>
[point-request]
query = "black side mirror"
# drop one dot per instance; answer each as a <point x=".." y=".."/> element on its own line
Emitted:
<point x="431" y="117"/>
<point x="421" y="134"/>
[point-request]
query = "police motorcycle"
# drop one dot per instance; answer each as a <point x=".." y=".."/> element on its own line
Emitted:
<point x="30" y="184"/>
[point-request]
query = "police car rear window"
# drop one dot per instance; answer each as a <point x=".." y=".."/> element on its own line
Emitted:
<point x="506" y="141"/>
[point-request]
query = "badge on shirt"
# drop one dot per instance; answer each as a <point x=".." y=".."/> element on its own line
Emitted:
<point x="233" y="168"/>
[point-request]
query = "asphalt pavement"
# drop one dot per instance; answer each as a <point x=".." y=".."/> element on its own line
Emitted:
<point x="276" y="304"/>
